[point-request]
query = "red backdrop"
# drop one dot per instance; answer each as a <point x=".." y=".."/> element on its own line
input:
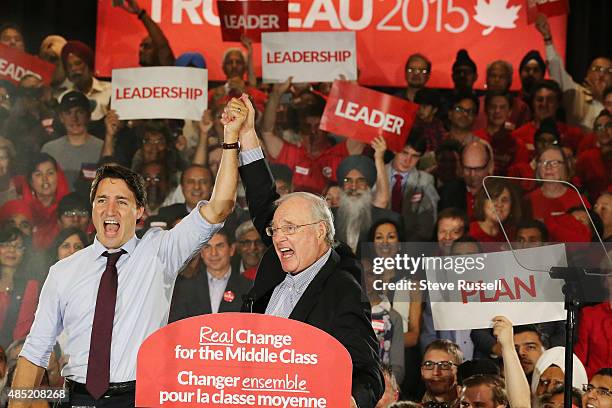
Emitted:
<point x="387" y="32"/>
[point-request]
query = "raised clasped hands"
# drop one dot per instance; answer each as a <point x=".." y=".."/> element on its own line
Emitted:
<point x="238" y="118"/>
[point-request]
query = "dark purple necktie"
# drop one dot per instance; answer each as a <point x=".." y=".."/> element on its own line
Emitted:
<point x="396" y="194"/>
<point x="98" y="366"/>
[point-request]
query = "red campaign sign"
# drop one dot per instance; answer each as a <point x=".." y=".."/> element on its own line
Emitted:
<point x="387" y="33"/>
<point x="251" y="18"/>
<point x="363" y="114"/>
<point x="549" y="8"/>
<point x="15" y="64"/>
<point x="240" y="359"/>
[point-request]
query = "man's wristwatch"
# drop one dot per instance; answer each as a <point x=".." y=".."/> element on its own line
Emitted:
<point x="141" y="14"/>
<point x="228" y="146"/>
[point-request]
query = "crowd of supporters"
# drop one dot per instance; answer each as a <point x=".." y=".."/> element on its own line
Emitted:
<point x="556" y="128"/>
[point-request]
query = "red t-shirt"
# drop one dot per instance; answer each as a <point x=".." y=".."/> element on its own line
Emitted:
<point x="594" y="172"/>
<point x="507" y="150"/>
<point x="312" y="173"/>
<point x="594" y="346"/>
<point x="523" y="170"/>
<point x="480" y="235"/>
<point x="571" y="136"/>
<point x="541" y="206"/>
<point x="566" y="228"/>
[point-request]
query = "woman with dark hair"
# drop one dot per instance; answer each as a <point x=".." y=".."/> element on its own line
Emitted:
<point x="386" y="236"/>
<point x="503" y="206"/>
<point x="67" y="242"/>
<point x="46" y="186"/>
<point x="553" y="197"/>
<point x="18" y="294"/>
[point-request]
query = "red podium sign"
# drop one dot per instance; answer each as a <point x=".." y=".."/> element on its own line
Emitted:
<point x="363" y="114"/>
<point x="238" y="360"/>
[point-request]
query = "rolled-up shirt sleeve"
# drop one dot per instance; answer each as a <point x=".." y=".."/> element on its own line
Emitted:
<point x="47" y="323"/>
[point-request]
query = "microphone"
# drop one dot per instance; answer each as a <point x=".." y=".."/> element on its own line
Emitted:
<point x="248" y="300"/>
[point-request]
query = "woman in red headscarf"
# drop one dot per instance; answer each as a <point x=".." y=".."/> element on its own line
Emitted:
<point x="45" y="188"/>
<point x="17" y="213"/>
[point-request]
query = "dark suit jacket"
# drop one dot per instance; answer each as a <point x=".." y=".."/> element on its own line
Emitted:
<point x="333" y="302"/>
<point x="192" y="298"/>
<point x="171" y="213"/>
<point x="453" y="194"/>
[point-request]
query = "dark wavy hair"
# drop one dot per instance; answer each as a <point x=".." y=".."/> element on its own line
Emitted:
<point x="61" y="237"/>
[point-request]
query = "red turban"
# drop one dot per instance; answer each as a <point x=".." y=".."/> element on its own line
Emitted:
<point x="79" y="49"/>
<point x="13" y="207"/>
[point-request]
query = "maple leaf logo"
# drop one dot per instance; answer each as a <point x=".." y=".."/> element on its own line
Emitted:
<point x="495" y="13"/>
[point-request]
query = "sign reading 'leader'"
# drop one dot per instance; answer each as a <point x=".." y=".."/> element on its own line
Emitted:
<point x="363" y="114"/>
<point x="240" y="359"/>
<point x="251" y="18"/>
<point x="308" y="56"/>
<point x="15" y="64"/>
<point x="160" y="93"/>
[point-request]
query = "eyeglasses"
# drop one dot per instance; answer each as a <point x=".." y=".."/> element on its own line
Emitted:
<point x="150" y="179"/>
<point x="153" y="142"/>
<point x="550" y="163"/>
<point x="480" y="169"/>
<point x="417" y="71"/>
<point x="461" y="109"/>
<point x="442" y="365"/>
<point x="360" y="181"/>
<point x="602" y="70"/>
<point x="603" y="127"/>
<point x="10" y="245"/>
<point x="600" y="391"/>
<point x="288" y="229"/>
<point x="76" y="213"/>
<point x="250" y="242"/>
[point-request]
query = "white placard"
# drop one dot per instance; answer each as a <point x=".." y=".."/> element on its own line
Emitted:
<point x="515" y="296"/>
<point x="160" y="93"/>
<point x="308" y="56"/>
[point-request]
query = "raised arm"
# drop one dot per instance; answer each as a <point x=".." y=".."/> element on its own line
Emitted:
<point x="251" y="77"/>
<point x="519" y="393"/>
<point x="274" y="143"/>
<point x="556" y="69"/>
<point x="257" y="179"/>
<point x="160" y="42"/>
<point x="223" y="197"/>
<point x="381" y="197"/>
<point x="112" y="124"/>
<point x="201" y="151"/>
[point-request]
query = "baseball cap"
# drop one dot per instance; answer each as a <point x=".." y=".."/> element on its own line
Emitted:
<point x="75" y="98"/>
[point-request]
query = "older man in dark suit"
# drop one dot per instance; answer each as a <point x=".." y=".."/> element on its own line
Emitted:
<point x="302" y="276"/>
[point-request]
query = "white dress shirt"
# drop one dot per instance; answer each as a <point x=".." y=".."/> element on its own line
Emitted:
<point x="146" y="276"/>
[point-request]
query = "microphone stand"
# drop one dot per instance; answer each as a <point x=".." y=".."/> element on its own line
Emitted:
<point x="571" y="277"/>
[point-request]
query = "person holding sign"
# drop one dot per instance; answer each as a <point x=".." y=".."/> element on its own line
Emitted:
<point x="130" y="278"/>
<point x="302" y="275"/>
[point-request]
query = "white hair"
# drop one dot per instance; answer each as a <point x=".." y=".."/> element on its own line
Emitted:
<point x="243" y="228"/>
<point x="319" y="210"/>
<point x="229" y="51"/>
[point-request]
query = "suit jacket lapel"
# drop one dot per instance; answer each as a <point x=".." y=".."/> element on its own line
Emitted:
<point x="310" y="296"/>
